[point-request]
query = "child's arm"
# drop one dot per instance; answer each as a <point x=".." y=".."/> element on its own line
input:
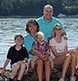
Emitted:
<point x="5" y="64"/>
<point x="36" y="50"/>
<point x="48" y="52"/>
<point x="25" y="60"/>
<point x="37" y="53"/>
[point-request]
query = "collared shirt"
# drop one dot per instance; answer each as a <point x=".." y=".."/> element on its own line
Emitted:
<point x="17" y="55"/>
<point x="42" y="47"/>
<point x="47" y="28"/>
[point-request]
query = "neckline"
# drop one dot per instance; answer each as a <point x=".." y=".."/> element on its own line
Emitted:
<point x="45" y="21"/>
<point x="57" y="41"/>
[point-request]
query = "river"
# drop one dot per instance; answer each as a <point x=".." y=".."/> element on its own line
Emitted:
<point x="10" y="26"/>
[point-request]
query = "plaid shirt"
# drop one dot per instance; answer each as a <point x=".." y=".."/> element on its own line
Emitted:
<point x="43" y="47"/>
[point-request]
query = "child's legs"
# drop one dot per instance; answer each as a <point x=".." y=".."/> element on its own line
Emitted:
<point x="65" y="60"/>
<point x="22" y="69"/>
<point x="59" y="60"/>
<point x="65" y="65"/>
<point x="15" y="68"/>
<point x="51" y="63"/>
<point x="33" y="61"/>
<point x="47" y="70"/>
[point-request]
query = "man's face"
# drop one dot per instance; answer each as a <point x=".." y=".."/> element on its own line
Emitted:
<point x="48" y="12"/>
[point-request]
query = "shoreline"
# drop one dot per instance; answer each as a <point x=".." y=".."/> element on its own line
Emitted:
<point x="19" y="16"/>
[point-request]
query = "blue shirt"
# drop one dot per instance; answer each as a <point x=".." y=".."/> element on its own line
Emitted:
<point x="28" y="40"/>
<point x="47" y="28"/>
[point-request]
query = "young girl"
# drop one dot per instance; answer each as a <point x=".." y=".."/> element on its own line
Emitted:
<point x="18" y="56"/>
<point x="61" y="53"/>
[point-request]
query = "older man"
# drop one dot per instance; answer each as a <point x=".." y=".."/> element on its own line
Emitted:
<point x="47" y="22"/>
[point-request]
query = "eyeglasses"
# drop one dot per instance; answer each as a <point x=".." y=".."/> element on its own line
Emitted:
<point x="58" y="29"/>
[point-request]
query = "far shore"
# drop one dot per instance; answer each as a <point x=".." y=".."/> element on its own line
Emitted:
<point x="18" y="16"/>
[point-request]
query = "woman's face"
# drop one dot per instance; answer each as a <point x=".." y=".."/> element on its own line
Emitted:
<point x="32" y="28"/>
<point x="58" y="30"/>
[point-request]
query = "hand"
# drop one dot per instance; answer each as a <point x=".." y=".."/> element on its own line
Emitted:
<point x="46" y="57"/>
<point x="26" y="60"/>
<point x="65" y="37"/>
<point x="71" y="51"/>
<point x="48" y="52"/>
<point x="2" y="71"/>
<point x="42" y="56"/>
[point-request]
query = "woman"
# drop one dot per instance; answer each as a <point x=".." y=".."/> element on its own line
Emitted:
<point x="60" y="52"/>
<point x="32" y="28"/>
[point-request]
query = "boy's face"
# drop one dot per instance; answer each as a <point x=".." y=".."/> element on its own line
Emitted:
<point x="19" y="41"/>
<point x="40" y="38"/>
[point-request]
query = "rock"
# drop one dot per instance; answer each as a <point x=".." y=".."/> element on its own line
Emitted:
<point x="31" y="75"/>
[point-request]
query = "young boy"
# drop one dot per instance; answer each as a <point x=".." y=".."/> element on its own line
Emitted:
<point x="42" y="47"/>
<point x="18" y="56"/>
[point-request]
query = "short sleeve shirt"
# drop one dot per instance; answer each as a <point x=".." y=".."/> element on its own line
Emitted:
<point x="28" y="40"/>
<point x="47" y="28"/>
<point x="15" y="55"/>
<point x="59" y="46"/>
<point x="43" y="47"/>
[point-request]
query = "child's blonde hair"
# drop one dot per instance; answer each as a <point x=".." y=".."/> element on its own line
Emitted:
<point x="40" y="33"/>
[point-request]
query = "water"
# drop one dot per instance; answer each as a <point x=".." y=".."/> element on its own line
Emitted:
<point x="10" y="26"/>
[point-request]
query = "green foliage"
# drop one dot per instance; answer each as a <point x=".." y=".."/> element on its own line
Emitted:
<point x="73" y="10"/>
<point x="35" y="7"/>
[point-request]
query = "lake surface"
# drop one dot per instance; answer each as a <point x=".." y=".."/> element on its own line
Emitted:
<point x="10" y="26"/>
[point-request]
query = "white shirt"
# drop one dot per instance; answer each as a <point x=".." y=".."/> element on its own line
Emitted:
<point x="59" y="46"/>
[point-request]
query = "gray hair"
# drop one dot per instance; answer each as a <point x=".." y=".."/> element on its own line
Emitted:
<point x="48" y="6"/>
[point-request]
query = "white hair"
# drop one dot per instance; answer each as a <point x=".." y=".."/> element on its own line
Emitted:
<point x="40" y="33"/>
<point x="48" y="6"/>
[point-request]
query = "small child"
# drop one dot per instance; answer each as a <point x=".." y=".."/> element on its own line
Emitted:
<point x="18" y="56"/>
<point x="40" y="46"/>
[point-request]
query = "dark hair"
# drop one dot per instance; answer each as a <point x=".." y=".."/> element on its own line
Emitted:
<point x="18" y="35"/>
<point x="32" y="21"/>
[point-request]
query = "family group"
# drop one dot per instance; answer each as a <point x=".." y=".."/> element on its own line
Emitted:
<point x="45" y="44"/>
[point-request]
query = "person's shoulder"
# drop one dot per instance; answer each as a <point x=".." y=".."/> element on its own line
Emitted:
<point x="26" y="35"/>
<point x="35" y="42"/>
<point x="54" y="18"/>
<point x="45" y="42"/>
<point x="11" y="47"/>
<point x="52" y="39"/>
<point x="39" y="19"/>
<point x="24" y="48"/>
<point x="63" y="39"/>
